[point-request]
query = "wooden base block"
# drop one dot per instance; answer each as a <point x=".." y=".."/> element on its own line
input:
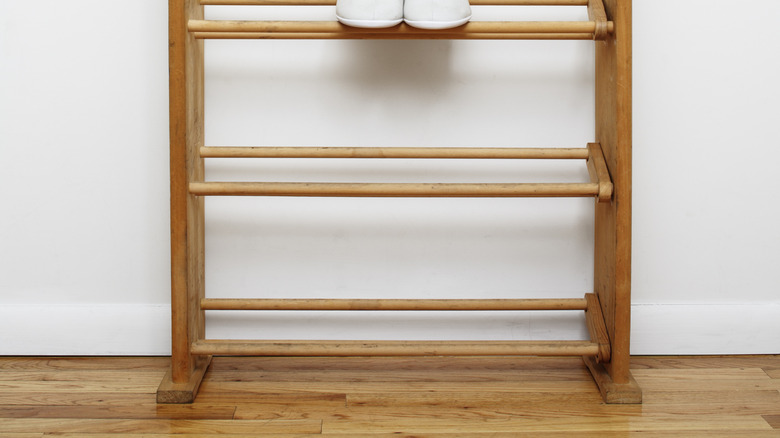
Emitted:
<point x="170" y="392"/>
<point x="611" y="392"/>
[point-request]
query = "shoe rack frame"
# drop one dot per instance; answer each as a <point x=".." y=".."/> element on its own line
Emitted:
<point x="608" y="159"/>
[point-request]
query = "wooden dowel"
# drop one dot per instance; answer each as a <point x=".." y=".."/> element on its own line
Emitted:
<point x="523" y="190"/>
<point x="332" y="27"/>
<point x="393" y="152"/>
<point x="393" y="304"/>
<point x="333" y="2"/>
<point x="387" y="36"/>
<point x="598" y="15"/>
<point x="394" y="348"/>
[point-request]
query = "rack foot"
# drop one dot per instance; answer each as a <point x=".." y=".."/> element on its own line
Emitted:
<point x="170" y="392"/>
<point x="611" y="392"/>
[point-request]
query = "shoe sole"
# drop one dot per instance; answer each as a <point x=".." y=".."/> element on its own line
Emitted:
<point x="437" y="25"/>
<point x="369" y="24"/>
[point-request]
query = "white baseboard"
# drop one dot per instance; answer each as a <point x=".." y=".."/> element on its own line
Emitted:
<point x="145" y="329"/>
<point x="85" y="330"/>
<point x="680" y="329"/>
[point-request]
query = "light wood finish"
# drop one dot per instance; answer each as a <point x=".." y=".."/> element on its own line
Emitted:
<point x="438" y="35"/>
<point x="394" y="348"/>
<point x="700" y="397"/>
<point x="596" y="328"/>
<point x="393" y="304"/>
<point x="406" y="190"/>
<point x="613" y="392"/>
<point x="608" y="160"/>
<point x="171" y="391"/>
<point x="612" y="255"/>
<point x="598" y="15"/>
<point x="187" y="221"/>
<point x="333" y="2"/>
<point x="207" y="29"/>
<point x="597" y="168"/>
<point x="395" y="152"/>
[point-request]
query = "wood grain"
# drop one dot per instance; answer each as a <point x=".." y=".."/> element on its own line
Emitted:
<point x="334" y="29"/>
<point x="191" y="352"/>
<point x="393" y="152"/>
<point x="396" y="396"/>
<point x="57" y="426"/>
<point x="333" y="2"/>
<point x="612" y="258"/>
<point x="406" y="190"/>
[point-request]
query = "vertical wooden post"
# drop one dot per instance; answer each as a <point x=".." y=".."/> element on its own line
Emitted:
<point x="612" y="277"/>
<point x="187" y="230"/>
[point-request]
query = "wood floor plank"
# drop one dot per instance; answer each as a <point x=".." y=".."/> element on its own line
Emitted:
<point x="381" y="397"/>
<point x="74" y="398"/>
<point x="534" y="405"/>
<point x="559" y="424"/>
<point x="689" y="362"/>
<point x="132" y="411"/>
<point x="714" y="379"/>
<point x="21" y="435"/>
<point x="704" y="396"/>
<point x="139" y="364"/>
<point x="457" y="414"/>
<point x="542" y="434"/>
<point x="470" y="399"/>
<point x="720" y="373"/>
<point x="82" y="375"/>
<point x="186" y="435"/>
<point x="273" y="398"/>
<point x="680" y="383"/>
<point x="81" y="426"/>
<point x="144" y="387"/>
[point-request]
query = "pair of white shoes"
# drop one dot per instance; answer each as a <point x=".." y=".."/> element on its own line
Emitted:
<point x="423" y="14"/>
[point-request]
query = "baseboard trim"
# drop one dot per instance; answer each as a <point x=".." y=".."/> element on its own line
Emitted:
<point x="705" y="329"/>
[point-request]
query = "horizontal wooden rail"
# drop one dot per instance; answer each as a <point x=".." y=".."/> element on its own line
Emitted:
<point x="433" y="190"/>
<point x="394" y="304"/>
<point x="439" y="35"/>
<point x="212" y="29"/>
<point x="333" y="2"/>
<point x="393" y="348"/>
<point x="393" y="152"/>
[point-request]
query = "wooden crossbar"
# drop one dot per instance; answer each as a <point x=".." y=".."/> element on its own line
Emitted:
<point x="334" y="26"/>
<point x="439" y="35"/>
<point x="405" y="190"/>
<point x="393" y="152"/>
<point x="393" y="348"/>
<point x="597" y="28"/>
<point x="394" y="304"/>
<point x="333" y="2"/>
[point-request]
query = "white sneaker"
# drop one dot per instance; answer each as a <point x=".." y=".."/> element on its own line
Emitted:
<point x="437" y="14"/>
<point x="370" y="13"/>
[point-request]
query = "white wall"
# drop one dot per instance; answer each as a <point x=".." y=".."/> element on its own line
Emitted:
<point x="83" y="179"/>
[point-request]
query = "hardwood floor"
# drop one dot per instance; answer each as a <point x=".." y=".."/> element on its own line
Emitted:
<point x="374" y="397"/>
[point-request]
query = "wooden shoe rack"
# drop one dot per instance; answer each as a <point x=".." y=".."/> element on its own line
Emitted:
<point x="608" y="159"/>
